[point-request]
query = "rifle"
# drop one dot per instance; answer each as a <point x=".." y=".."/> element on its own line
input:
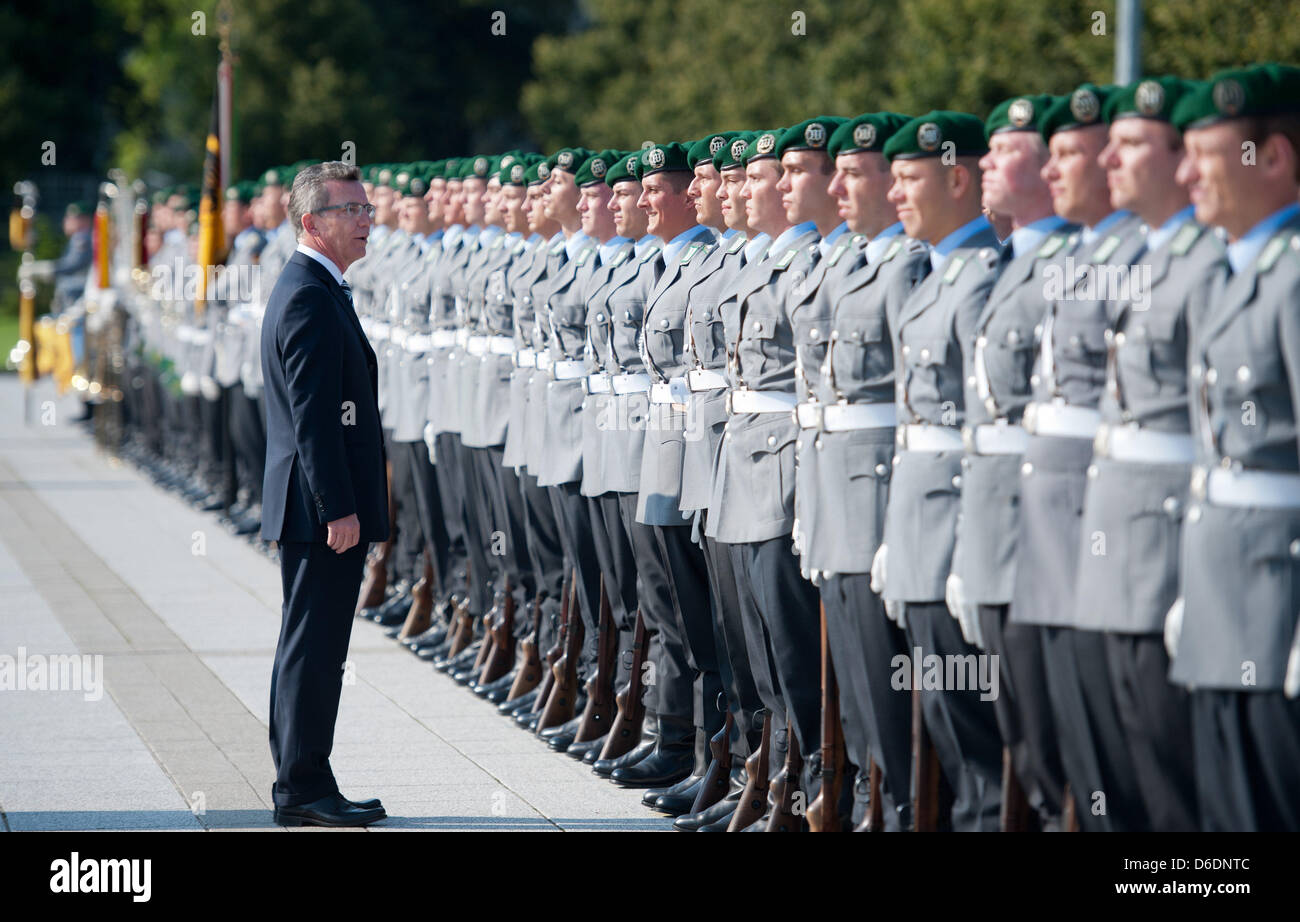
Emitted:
<point x="375" y="583"/>
<point x="753" y="800"/>
<point x="785" y="818"/>
<point x="1015" y="814"/>
<point x="625" y="733"/>
<point x="530" y="666"/>
<point x="600" y="687"/>
<point x="717" y="780"/>
<point x="501" y="632"/>
<point x="925" y="771"/>
<point x="419" y="617"/>
<point x="876" y="808"/>
<point x="462" y="628"/>
<point x="553" y="654"/>
<point x="563" y="700"/>
<point x="823" y="814"/>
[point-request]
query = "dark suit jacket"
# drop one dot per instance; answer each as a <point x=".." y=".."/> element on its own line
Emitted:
<point x="325" y="456"/>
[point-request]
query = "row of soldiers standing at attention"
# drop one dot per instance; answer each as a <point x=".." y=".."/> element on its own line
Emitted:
<point x="885" y="473"/>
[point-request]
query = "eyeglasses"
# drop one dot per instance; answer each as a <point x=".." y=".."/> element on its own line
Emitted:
<point x="351" y="209"/>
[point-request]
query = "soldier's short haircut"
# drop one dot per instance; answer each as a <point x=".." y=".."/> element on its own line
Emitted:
<point x="310" y="191"/>
<point x="1286" y="124"/>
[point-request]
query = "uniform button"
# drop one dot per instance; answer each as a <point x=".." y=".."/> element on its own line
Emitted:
<point x="663" y="324"/>
<point x="1038" y="330"/>
<point x="925" y="355"/>
<point x="600" y="318"/>
<point x="1211" y="375"/>
<point x="1243" y="374"/>
<point x="1196" y="372"/>
<point x="1026" y="469"/>
<point x="1092" y="472"/>
<point x="907" y="350"/>
<point x="1295" y="548"/>
<point x="1119" y="339"/>
<point x="758" y="326"/>
<point x="818" y="443"/>
<point x="1109" y="335"/>
<point x="1074" y="340"/>
<point x="956" y="481"/>
<point x="1033" y="380"/>
<point x="894" y="460"/>
<point x="771" y="440"/>
<point x="1171" y="505"/>
<point x="881" y="470"/>
<point x="1194" y="514"/>
<point x="814" y="333"/>
<point x="970" y="382"/>
<point x="835" y="335"/>
<point x="1013" y="336"/>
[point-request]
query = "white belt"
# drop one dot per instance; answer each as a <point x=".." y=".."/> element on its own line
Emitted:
<point x="501" y="345"/>
<point x="525" y="358"/>
<point x="399" y="335"/>
<point x="544" y="361"/>
<point x="1133" y="443"/>
<point x="808" y="415"/>
<point x="914" y="437"/>
<point x="200" y="337"/>
<point x="418" y="342"/>
<point x="185" y="333"/>
<point x="744" y="400"/>
<point x="462" y="337"/>
<point x="843" y="417"/>
<point x="598" y="384"/>
<point x="995" y="439"/>
<point x="443" y="339"/>
<point x="477" y="345"/>
<point x="1062" y="420"/>
<point x="705" y="379"/>
<point x="669" y="392"/>
<point x="1266" y="489"/>
<point x="380" y="329"/>
<point x="634" y="383"/>
<point x="366" y="324"/>
<point x="567" y="370"/>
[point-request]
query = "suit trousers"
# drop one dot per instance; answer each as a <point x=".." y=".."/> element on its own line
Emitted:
<point x="1247" y="760"/>
<point x="1095" y="754"/>
<point x="1024" y="711"/>
<point x="877" y="719"/>
<point x="1157" y="724"/>
<point x="320" y="590"/>
<point x="962" y="726"/>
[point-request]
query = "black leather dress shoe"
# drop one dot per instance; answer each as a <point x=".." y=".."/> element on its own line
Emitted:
<point x="606" y="767"/>
<point x="662" y="767"/>
<point x="500" y="684"/>
<point x="579" y="750"/>
<point x="371" y="804"/>
<point x="649" y="797"/>
<point x="568" y="727"/>
<point x="722" y="819"/>
<point x="333" y="810"/>
<point x="433" y="637"/>
<point x="433" y="654"/>
<point x="679" y="802"/>
<point x="394" y="611"/>
<point x="498" y="695"/>
<point x="515" y="705"/>
<point x="719" y="812"/>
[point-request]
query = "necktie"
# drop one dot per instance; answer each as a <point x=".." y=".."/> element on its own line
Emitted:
<point x="347" y="292"/>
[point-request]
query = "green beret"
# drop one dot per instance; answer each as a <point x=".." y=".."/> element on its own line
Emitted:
<point x="451" y="169"/>
<point x="732" y="154"/>
<point x="77" y="209"/>
<point x="928" y="136"/>
<point x="569" y="158"/>
<point x="1249" y="92"/>
<point x="623" y="168"/>
<point x="1080" y="109"/>
<point x="1019" y="113"/>
<point x="383" y="174"/>
<point x="476" y="167"/>
<point x="762" y="146"/>
<point x="595" y="168"/>
<point x="514" y="172"/>
<point x="538" y="172"/>
<point x="662" y="158"/>
<point x="274" y="176"/>
<point x="160" y="197"/>
<point x="705" y="149"/>
<point x="1153" y="98"/>
<point x="243" y="192"/>
<point x="865" y="133"/>
<point x="810" y="134"/>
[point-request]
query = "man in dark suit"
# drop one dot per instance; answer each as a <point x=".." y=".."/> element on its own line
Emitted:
<point x="325" y="493"/>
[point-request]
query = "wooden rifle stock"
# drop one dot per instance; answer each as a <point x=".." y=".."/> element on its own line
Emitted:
<point x="1015" y="814"/>
<point x="876" y="807"/>
<point x="553" y="653"/>
<point x="501" y="633"/>
<point x="599" y="711"/>
<point x="785" y="815"/>
<point x="462" y="628"/>
<point x="375" y="583"/>
<point x="562" y="703"/>
<point x="753" y="800"/>
<point x="925" y="771"/>
<point x="625" y="733"/>
<point x="717" y="780"/>
<point x="529" y="673"/>
<point x="824" y="814"/>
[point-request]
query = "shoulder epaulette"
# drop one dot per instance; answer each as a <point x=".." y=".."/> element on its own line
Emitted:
<point x="784" y="262"/>
<point x="1184" y="239"/>
<point x="1108" y="246"/>
<point x="650" y="254"/>
<point x="621" y="257"/>
<point x="838" y="252"/>
<point x="1051" y="246"/>
<point x="690" y="253"/>
<point x="739" y="241"/>
<point x="557" y="247"/>
<point x="893" y="250"/>
<point x="1268" y="259"/>
<point x="955" y="265"/>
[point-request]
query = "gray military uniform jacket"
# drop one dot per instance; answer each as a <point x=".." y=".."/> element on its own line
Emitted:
<point x="843" y="477"/>
<point x="940" y="315"/>
<point x="998" y="366"/>
<point x="1070" y="372"/>
<point x="753" y="489"/>
<point x="1240" y="574"/>
<point x="706" y="351"/>
<point x="524" y="274"/>
<point x="1133" y="509"/>
<point x="663" y="335"/>
<point x="490" y="355"/>
<point x="557" y="256"/>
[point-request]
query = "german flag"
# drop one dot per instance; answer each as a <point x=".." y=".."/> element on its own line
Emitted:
<point x="212" y="235"/>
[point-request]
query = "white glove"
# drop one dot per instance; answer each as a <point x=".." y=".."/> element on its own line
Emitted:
<point x="1174" y="627"/>
<point x="1291" y="684"/>
<point x="967" y="615"/>
<point x="896" y="611"/>
<point x="878" y="570"/>
<point x="428" y="441"/>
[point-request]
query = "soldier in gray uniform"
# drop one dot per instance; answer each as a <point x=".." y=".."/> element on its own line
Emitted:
<point x="844" y="329"/>
<point x="666" y="176"/>
<point x="1062" y="421"/>
<point x="751" y="507"/>
<point x="1234" y="638"/>
<point x="934" y="160"/>
<point x="997" y="367"/>
<point x="1138" y="481"/>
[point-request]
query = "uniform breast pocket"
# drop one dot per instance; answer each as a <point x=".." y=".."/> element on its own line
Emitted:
<point x="862" y="352"/>
<point x="664" y="335"/>
<point x="1010" y="361"/>
<point x="925" y="361"/>
<point x="1159" y="341"/>
<point x="626" y="316"/>
<point x="772" y="465"/>
<point x="708" y="332"/>
<point x="811" y="334"/>
<point x="758" y="345"/>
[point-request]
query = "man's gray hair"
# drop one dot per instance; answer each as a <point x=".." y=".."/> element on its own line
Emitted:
<point x="310" y="192"/>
